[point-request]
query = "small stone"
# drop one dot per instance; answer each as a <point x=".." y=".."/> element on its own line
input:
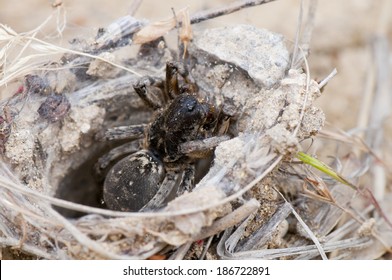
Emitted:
<point x="259" y="52"/>
<point x="55" y="107"/>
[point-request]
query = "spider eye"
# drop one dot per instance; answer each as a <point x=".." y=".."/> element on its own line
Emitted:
<point x="188" y="88"/>
<point x="191" y="105"/>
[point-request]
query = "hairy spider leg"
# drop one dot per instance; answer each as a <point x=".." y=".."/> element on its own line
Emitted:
<point x="163" y="194"/>
<point x="114" y="154"/>
<point x="127" y="132"/>
<point x="173" y="87"/>
<point x="171" y="82"/>
<point x="131" y="133"/>
<point x="148" y="90"/>
<point x="188" y="180"/>
<point x="176" y="182"/>
<point x="199" y="148"/>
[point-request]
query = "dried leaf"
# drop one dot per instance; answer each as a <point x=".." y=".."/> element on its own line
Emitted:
<point x="157" y="29"/>
<point x="186" y="31"/>
<point x="6" y="33"/>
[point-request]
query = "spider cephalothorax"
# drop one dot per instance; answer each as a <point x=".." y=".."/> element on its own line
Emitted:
<point x="185" y="119"/>
<point x="146" y="178"/>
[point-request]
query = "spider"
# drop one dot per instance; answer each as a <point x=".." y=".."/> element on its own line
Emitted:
<point x="181" y="132"/>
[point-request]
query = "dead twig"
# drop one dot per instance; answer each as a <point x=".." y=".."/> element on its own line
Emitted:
<point x="182" y="20"/>
<point x="225" y="10"/>
<point x="230" y="220"/>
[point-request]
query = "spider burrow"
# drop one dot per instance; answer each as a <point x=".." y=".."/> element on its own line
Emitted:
<point x="184" y="128"/>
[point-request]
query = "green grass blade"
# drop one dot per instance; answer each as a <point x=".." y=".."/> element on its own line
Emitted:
<point x="307" y="159"/>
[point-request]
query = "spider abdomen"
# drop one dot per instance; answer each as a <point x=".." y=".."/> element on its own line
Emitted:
<point x="133" y="181"/>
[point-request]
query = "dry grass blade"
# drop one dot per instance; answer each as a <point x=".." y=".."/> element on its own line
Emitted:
<point x="328" y="78"/>
<point x="303" y="42"/>
<point x="227" y="9"/>
<point x="18" y="65"/>
<point x="134" y="6"/>
<point x="180" y="253"/>
<point x="307" y="229"/>
<point x="261" y="236"/>
<point x="350" y="138"/>
<point x="230" y="220"/>
<point x="320" y="190"/>
<point x="304" y="252"/>
<point x="380" y="109"/>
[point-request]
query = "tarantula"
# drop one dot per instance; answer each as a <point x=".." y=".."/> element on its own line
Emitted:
<point x="181" y="131"/>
